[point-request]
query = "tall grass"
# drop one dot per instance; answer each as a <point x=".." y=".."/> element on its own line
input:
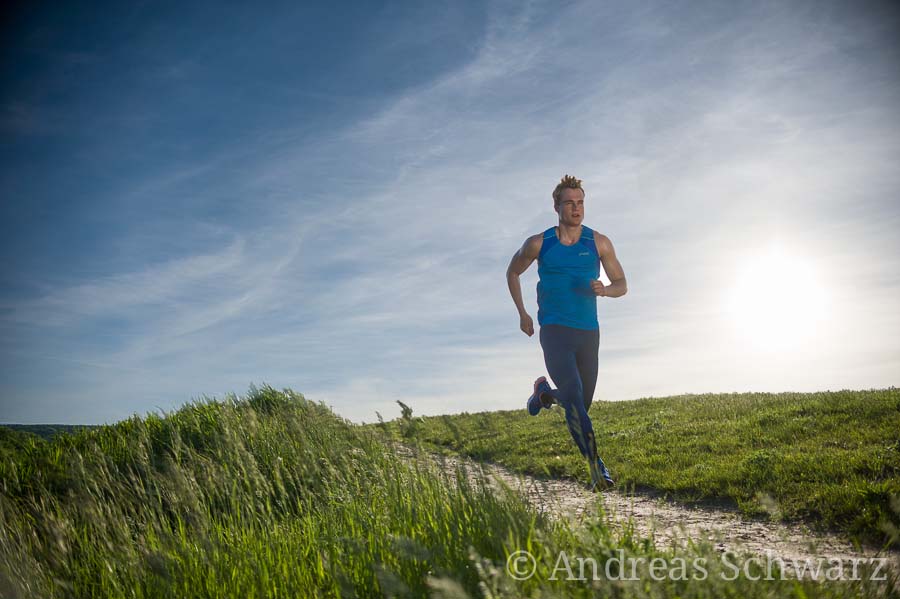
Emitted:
<point x="275" y="496"/>
<point x="244" y="498"/>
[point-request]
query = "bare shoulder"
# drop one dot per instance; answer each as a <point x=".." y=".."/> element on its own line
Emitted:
<point x="525" y="255"/>
<point x="532" y="246"/>
<point x="604" y="245"/>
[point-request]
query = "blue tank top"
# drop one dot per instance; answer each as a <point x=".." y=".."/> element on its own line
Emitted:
<point x="564" y="292"/>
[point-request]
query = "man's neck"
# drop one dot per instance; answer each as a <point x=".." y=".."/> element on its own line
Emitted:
<point x="568" y="234"/>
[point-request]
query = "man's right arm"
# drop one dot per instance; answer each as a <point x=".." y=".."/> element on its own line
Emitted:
<point x="520" y="262"/>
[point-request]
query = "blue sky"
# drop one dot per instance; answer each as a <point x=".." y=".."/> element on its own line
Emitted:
<point x="326" y="198"/>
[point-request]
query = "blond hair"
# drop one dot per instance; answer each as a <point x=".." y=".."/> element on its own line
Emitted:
<point x="567" y="182"/>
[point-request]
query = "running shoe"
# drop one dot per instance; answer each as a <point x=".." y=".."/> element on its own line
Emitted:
<point x="537" y="401"/>
<point x="600" y="477"/>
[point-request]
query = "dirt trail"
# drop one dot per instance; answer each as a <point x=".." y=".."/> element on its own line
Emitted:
<point x="669" y="522"/>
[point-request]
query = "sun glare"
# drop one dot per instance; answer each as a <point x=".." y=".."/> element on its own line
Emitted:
<point x="778" y="301"/>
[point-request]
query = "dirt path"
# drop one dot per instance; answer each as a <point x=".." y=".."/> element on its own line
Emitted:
<point x="669" y="522"/>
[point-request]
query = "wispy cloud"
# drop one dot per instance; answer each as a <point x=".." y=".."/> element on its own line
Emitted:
<point x="123" y="295"/>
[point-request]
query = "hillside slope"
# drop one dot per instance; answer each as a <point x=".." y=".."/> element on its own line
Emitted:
<point x="830" y="459"/>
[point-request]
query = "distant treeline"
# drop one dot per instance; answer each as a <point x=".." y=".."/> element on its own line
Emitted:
<point x="46" y="431"/>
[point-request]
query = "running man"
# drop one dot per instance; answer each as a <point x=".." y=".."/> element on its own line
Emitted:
<point x="569" y="257"/>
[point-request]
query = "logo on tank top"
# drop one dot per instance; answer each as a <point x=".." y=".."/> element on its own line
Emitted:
<point x="584" y="254"/>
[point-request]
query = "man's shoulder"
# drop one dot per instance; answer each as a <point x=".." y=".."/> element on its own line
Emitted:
<point x="602" y="241"/>
<point x="534" y="242"/>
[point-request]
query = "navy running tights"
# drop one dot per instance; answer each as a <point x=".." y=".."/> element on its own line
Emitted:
<point x="571" y="358"/>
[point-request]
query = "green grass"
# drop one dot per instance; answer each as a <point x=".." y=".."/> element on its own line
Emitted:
<point x="274" y="496"/>
<point x="830" y="459"/>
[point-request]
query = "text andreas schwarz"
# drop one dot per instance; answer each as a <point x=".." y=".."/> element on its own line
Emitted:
<point x="521" y="565"/>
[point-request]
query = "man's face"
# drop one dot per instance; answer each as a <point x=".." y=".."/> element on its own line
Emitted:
<point x="571" y="206"/>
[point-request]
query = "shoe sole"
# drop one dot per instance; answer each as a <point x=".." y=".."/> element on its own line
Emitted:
<point x="541" y="379"/>
<point x="528" y="404"/>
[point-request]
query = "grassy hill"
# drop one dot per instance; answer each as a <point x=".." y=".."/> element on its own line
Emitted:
<point x="830" y="459"/>
<point x="274" y="496"/>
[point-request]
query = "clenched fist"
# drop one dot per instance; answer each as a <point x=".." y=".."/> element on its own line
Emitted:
<point x="598" y="287"/>
<point x="526" y="324"/>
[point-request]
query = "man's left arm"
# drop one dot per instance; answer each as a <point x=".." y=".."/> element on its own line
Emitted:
<point x="618" y="286"/>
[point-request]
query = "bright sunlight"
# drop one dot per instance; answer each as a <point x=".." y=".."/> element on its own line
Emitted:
<point x="778" y="300"/>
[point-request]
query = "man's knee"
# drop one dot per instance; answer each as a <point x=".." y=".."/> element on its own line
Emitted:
<point x="570" y="394"/>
